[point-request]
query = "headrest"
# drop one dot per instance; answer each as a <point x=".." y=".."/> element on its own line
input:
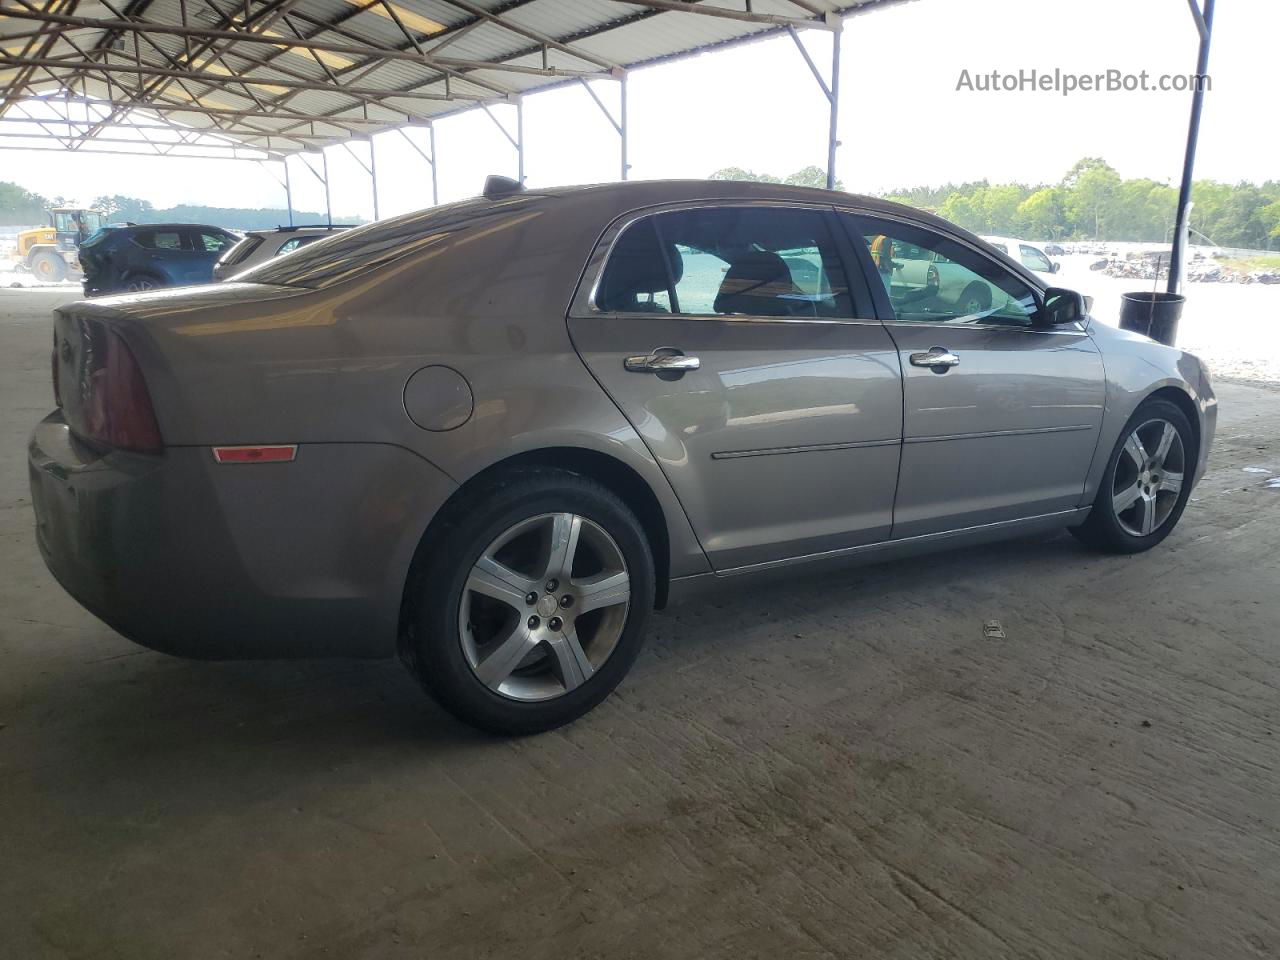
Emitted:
<point x="636" y="266"/>
<point x="754" y="284"/>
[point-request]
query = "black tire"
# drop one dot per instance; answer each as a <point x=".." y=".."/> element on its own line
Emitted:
<point x="49" y="267"/>
<point x="975" y="299"/>
<point x="431" y="644"/>
<point x="142" y="282"/>
<point x="1105" y="530"/>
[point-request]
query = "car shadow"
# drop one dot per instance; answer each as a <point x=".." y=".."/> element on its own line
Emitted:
<point x="145" y="727"/>
<point x="851" y="590"/>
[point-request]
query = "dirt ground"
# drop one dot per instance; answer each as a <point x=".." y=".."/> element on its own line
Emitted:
<point x="839" y="767"/>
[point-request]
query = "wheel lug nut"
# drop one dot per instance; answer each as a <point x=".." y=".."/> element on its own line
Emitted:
<point x="551" y="585"/>
<point x="533" y="623"/>
<point x="566" y="601"/>
<point x="555" y="623"/>
<point x="531" y="598"/>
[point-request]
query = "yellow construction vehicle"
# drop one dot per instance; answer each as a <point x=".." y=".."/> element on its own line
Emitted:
<point x="53" y="253"/>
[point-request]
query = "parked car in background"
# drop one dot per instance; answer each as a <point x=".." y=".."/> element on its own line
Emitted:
<point x="150" y="255"/>
<point x="1054" y="250"/>
<point x="261" y="245"/>
<point x="1030" y="256"/>
<point x="493" y="435"/>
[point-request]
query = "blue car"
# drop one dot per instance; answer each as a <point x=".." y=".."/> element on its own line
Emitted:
<point x="145" y="256"/>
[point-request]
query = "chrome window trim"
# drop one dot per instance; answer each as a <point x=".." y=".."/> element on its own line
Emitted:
<point x="1071" y="330"/>
<point x="603" y="252"/>
<point x="735" y="318"/>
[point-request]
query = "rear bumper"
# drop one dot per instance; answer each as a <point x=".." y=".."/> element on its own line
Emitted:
<point x="198" y="559"/>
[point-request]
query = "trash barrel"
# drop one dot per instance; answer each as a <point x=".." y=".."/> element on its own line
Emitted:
<point x="1155" y="315"/>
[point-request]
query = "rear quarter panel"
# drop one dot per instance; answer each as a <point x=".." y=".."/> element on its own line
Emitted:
<point x="244" y="364"/>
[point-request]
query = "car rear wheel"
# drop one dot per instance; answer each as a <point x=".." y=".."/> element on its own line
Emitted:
<point x="139" y="282"/>
<point x="1146" y="484"/>
<point x="529" y="602"/>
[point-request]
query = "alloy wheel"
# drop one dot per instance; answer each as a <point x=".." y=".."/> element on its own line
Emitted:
<point x="1148" y="478"/>
<point x="544" y="606"/>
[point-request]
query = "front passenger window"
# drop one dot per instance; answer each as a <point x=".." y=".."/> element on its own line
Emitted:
<point x="931" y="278"/>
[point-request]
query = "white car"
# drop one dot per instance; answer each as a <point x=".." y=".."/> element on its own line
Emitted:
<point x="261" y="245"/>
<point x="1029" y="255"/>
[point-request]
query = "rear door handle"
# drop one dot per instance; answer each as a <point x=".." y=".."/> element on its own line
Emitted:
<point x="661" y="363"/>
<point x="935" y="357"/>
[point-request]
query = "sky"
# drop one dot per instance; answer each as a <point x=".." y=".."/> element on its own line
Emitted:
<point x="903" y="122"/>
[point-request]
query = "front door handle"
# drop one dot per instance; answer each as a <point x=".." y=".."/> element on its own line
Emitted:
<point x="661" y="363"/>
<point x="939" y="359"/>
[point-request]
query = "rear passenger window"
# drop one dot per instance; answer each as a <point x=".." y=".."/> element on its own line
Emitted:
<point x="636" y="279"/>
<point x="158" y="239"/>
<point x="727" y="261"/>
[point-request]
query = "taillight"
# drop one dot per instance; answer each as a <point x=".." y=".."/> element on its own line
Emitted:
<point x="116" y="408"/>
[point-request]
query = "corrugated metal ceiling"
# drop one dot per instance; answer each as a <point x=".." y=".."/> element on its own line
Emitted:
<point x="322" y="71"/>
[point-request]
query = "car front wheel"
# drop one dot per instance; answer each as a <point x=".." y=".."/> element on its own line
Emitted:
<point x="1146" y="484"/>
<point x="529" y="602"/>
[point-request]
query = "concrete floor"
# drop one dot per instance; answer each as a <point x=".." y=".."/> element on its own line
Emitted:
<point x="840" y="768"/>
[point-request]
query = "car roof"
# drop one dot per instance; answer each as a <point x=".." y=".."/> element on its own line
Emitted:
<point x="296" y="231"/>
<point x="634" y="194"/>
<point x="169" y="226"/>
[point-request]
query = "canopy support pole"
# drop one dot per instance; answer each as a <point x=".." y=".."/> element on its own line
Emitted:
<point x="371" y="168"/>
<point x="431" y="160"/>
<point x="284" y="182"/>
<point x="328" y="205"/>
<point x="435" y="187"/>
<point x="619" y="124"/>
<point x="829" y="90"/>
<point x="516" y="141"/>
<point x="1204" y="26"/>
<point x="324" y="160"/>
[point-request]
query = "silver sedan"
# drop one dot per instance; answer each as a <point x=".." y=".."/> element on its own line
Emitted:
<point x="494" y="435"/>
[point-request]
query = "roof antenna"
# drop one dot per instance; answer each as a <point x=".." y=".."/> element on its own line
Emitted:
<point x="496" y="187"/>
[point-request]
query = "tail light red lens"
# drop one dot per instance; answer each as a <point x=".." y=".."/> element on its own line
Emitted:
<point x="114" y="407"/>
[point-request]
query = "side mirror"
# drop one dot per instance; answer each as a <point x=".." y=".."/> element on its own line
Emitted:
<point x="1054" y="266"/>
<point x="1061" y="307"/>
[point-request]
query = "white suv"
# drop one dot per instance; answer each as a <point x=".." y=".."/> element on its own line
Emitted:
<point x="260" y="245"/>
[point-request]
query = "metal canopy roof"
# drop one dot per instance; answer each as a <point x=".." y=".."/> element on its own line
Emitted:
<point x="214" y="77"/>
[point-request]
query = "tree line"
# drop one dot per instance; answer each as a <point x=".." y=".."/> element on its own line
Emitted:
<point x="1092" y="201"/>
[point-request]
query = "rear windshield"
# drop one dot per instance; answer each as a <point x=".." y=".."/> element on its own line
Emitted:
<point x="354" y="252"/>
